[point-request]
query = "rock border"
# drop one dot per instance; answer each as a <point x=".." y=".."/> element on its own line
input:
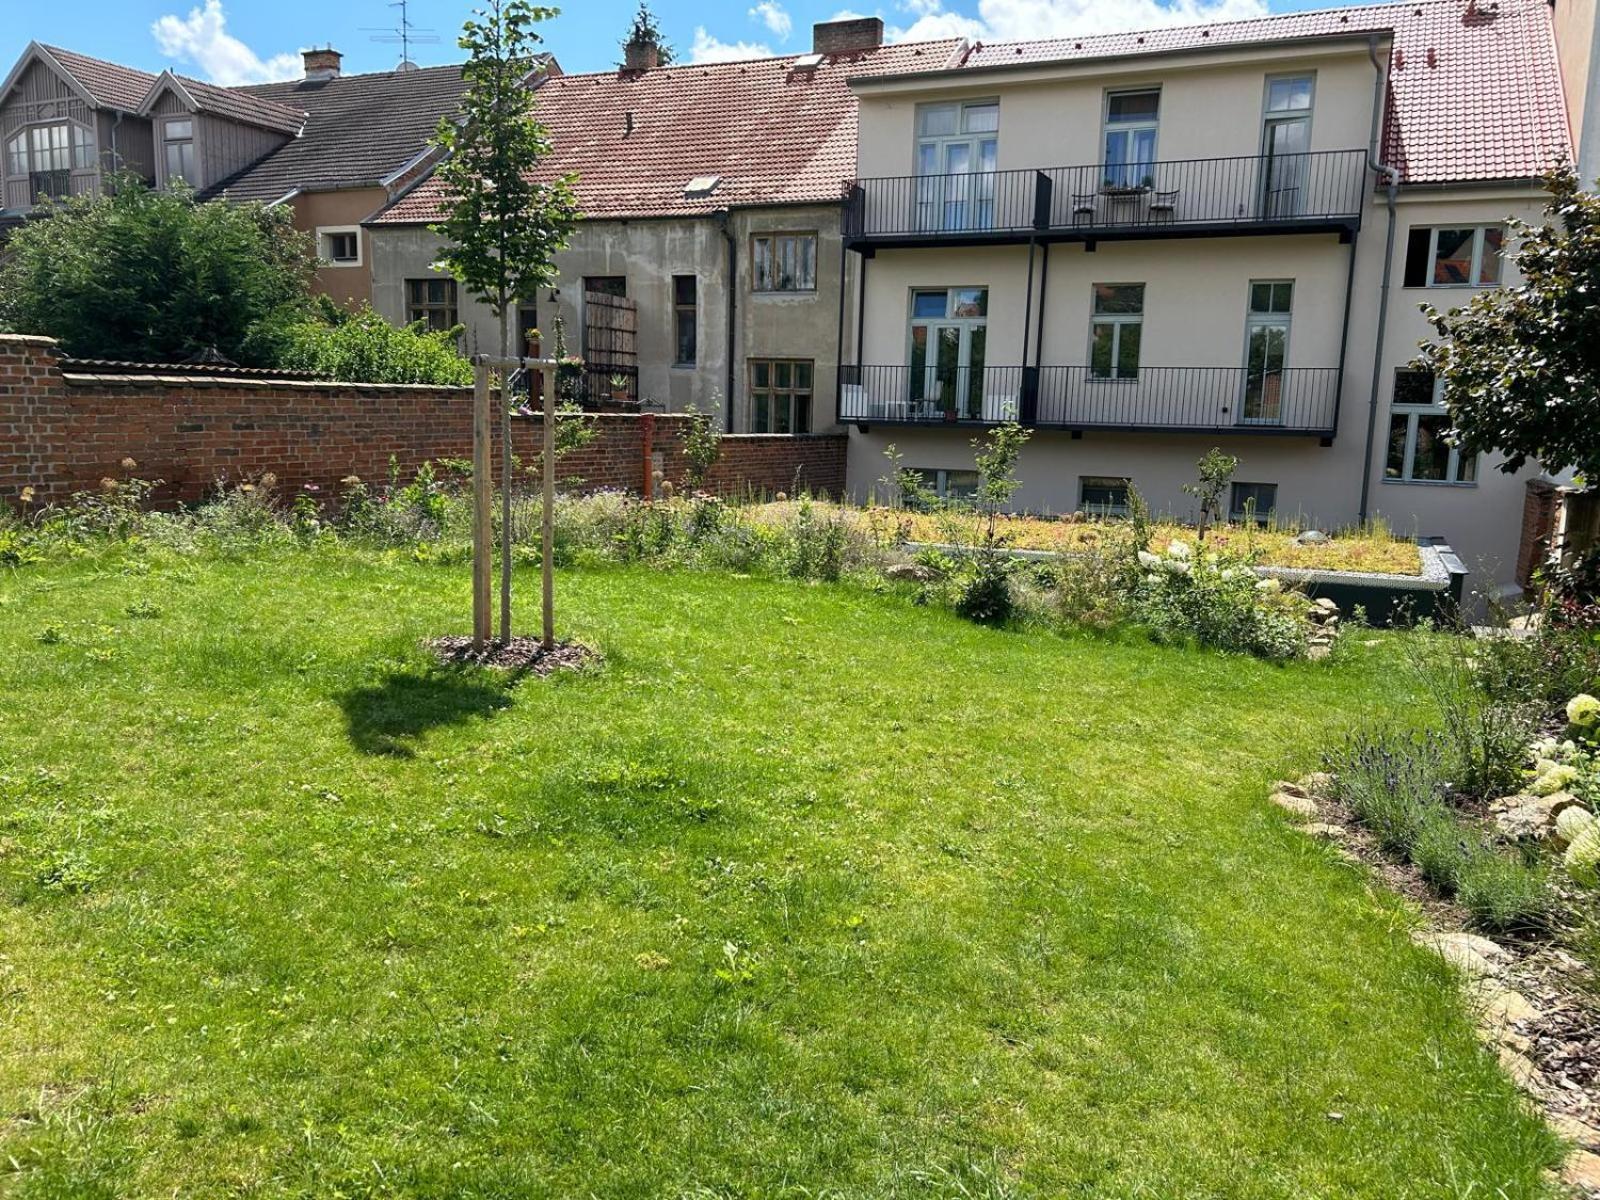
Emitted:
<point x="1531" y="1005"/>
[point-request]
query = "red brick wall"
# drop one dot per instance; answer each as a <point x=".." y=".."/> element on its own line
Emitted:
<point x="61" y="433"/>
<point x="1538" y="525"/>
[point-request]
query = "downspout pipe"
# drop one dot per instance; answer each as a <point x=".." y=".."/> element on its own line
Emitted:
<point x="733" y="308"/>
<point x="1391" y="190"/>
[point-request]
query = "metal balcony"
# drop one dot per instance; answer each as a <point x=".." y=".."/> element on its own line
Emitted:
<point x="1301" y="401"/>
<point x="1321" y="191"/>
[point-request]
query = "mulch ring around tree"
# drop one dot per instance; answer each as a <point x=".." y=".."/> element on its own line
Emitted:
<point x="521" y="655"/>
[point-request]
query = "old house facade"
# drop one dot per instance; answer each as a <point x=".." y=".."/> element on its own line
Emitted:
<point x="710" y="202"/>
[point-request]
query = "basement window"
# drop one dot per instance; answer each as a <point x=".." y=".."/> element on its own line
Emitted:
<point x="1103" y="495"/>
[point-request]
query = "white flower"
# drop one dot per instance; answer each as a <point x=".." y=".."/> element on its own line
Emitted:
<point x="1179" y="549"/>
<point x="1268" y="585"/>
<point x="1177" y="567"/>
<point x="1152" y="578"/>
<point x="1146" y="559"/>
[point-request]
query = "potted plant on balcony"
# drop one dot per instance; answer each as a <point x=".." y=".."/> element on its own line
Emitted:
<point x="619" y="387"/>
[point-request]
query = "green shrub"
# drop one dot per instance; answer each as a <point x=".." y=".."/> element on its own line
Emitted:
<point x="984" y="591"/>
<point x="1503" y="895"/>
<point x="362" y="347"/>
<point x="817" y="545"/>
<point x="1391" y="781"/>
<point x="1217" y="601"/>
<point x="1441" y="850"/>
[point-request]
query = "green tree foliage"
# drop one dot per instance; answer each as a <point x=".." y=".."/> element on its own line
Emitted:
<point x="156" y="277"/>
<point x="1520" y="366"/>
<point x="362" y="347"/>
<point x="1216" y="472"/>
<point x="646" y="31"/>
<point x="502" y="226"/>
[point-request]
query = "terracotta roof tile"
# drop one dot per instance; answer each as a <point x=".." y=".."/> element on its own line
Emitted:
<point x="1474" y="88"/>
<point x="771" y="130"/>
<point x="111" y="84"/>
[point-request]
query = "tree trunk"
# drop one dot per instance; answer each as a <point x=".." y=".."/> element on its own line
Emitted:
<point x="547" y="543"/>
<point x="505" y="476"/>
<point x="482" y="524"/>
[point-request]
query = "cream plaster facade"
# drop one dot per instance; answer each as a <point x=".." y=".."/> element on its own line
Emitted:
<point x="1195" y="294"/>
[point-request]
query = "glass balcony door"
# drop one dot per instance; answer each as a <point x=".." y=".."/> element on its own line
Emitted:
<point x="949" y="346"/>
<point x="1266" y="352"/>
<point x="1286" y="148"/>
<point x="957" y="154"/>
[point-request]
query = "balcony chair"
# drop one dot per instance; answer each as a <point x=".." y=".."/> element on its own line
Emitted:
<point x="1164" y="205"/>
<point x="1083" y="205"/>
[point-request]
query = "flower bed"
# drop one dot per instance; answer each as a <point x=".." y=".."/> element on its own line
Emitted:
<point x="1374" y="551"/>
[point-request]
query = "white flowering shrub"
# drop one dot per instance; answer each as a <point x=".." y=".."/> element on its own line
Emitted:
<point x="1218" y="601"/>
<point x="1582" y="859"/>
<point x="1583" y="711"/>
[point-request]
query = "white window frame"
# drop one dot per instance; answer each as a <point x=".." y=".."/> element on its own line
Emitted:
<point x="1479" y="237"/>
<point x="1130" y="127"/>
<point x="769" y="244"/>
<point x="81" y="148"/>
<point x="1408" y="461"/>
<point x="326" y="232"/>
<point x="1118" y="320"/>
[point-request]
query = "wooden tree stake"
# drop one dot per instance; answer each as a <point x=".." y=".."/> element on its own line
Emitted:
<point x="482" y="524"/>
<point x="547" y="543"/>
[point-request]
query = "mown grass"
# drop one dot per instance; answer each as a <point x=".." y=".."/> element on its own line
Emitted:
<point x="807" y="892"/>
<point x="1374" y="549"/>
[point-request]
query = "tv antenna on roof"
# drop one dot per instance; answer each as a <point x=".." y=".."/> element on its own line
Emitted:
<point x="405" y="35"/>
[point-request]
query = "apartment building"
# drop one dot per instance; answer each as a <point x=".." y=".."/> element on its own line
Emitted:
<point x="707" y="267"/>
<point x="1145" y="245"/>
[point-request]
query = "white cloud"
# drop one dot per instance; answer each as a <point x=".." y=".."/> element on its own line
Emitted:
<point x="771" y="14"/>
<point x="707" y="49"/>
<point x="202" y="38"/>
<point x="1016" y="20"/>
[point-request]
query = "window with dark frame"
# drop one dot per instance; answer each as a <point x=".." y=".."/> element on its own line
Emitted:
<point x="685" y="305"/>
<point x="948" y="484"/>
<point x="432" y="301"/>
<point x="780" y="395"/>
<point x="1253" y="501"/>
<point x="1454" y="256"/>
<point x="1419" y="449"/>
<point x="785" y="262"/>
<point x="1103" y="495"/>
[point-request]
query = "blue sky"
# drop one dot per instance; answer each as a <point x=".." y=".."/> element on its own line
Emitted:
<point x="246" y="41"/>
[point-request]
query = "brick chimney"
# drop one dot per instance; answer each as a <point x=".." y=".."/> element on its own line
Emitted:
<point x="641" y="56"/>
<point x="846" y="37"/>
<point x="322" y="64"/>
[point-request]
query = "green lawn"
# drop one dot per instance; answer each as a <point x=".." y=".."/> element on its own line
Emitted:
<point x="807" y="893"/>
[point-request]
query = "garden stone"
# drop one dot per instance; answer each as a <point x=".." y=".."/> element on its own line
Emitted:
<point x="1525" y="823"/>
<point x="1467" y="952"/>
<point x="1318" y="783"/>
<point x="1321" y="829"/>
<point x="1327" y="605"/>
<point x="1522" y="1071"/>
<point x="1581" y="1133"/>
<point x="1499" y="1006"/>
<point x="910" y="573"/>
<point x="1582" y="1170"/>
<point x="1294" y="789"/>
<point x="1319" y="651"/>
<point x="1300" y="806"/>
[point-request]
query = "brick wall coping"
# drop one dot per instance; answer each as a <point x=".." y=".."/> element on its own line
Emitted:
<point x="96" y="379"/>
<point x="27" y="339"/>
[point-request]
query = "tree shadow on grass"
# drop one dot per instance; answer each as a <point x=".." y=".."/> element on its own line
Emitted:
<point x="384" y="718"/>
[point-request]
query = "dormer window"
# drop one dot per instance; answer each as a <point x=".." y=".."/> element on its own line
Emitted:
<point x="46" y="156"/>
<point x="177" y="145"/>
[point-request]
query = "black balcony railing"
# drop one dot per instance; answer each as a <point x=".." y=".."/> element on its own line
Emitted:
<point x="1264" y="192"/>
<point x="1211" y="399"/>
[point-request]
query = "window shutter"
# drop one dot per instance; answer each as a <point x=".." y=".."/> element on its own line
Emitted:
<point x="1417" y="256"/>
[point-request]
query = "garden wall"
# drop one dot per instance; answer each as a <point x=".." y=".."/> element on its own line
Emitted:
<point x="66" y="425"/>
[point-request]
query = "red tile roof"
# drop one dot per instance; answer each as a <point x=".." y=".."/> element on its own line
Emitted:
<point x="111" y="84"/>
<point x="1474" y="88"/>
<point x="771" y="130"/>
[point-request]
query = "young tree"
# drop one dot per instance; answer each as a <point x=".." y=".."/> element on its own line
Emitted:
<point x="502" y="226"/>
<point x="1520" y="366"/>
<point x="646" y="31"/>
<point x="155" y="277"/>
<point x="1216" y="471"/>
